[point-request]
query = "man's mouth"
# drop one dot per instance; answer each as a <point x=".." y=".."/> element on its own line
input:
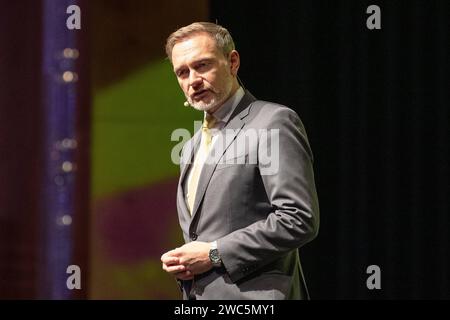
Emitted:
<point x="198" y="95"/>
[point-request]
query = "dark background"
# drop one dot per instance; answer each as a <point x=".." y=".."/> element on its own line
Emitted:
<point x="375" y="105"/>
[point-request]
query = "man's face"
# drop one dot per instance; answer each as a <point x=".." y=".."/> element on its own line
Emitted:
<point x="203" y="72"/>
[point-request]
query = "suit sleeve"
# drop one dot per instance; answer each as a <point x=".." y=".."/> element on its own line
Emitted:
<point x="294" y="219"/>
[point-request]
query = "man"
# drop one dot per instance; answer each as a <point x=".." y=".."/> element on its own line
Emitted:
<point x="243" y="219"/>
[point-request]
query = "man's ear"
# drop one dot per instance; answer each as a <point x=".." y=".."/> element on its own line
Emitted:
<point x="235" y="62"/>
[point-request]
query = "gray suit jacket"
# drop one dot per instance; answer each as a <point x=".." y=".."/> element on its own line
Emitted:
<point x="259" y="216"/>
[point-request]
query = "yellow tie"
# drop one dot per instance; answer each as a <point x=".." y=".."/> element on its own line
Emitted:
<point x="202" y="153"/>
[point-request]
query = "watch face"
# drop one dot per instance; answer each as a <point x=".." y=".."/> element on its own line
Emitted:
<point x="214" y="256"/>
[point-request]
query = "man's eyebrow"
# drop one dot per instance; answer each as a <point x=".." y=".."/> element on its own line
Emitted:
<point x="202" y="60"/>
<point x="194" y="62"/>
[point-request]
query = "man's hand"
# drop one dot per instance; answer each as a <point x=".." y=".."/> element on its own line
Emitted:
<point x="172" y="265"/>
<point x="188" y="260"/>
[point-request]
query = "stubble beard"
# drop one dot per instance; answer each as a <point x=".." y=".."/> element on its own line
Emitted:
<point x="217" y="99"/>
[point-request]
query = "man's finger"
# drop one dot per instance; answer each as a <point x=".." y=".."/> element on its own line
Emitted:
<point x="174" y="253"/>
<point x="165" y="255"/>
<point x="168" y="260"/>
<point x="174" y="269"/>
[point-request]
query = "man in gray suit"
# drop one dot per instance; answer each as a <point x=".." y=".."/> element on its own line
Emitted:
<point x="246" y="197"/>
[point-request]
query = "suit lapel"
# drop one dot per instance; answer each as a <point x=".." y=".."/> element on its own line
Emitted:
<point x="233" y="127"/>
<point x="188" y="155"/>
<point x="187" y="160"/>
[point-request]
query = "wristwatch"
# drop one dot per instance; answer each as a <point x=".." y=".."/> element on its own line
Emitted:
<point x="214" y="255"/>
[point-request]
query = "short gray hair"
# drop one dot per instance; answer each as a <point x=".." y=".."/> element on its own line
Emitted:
<point x="223" y="38"/>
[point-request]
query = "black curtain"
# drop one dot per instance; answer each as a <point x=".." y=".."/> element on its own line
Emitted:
<point x="375" y="105"/>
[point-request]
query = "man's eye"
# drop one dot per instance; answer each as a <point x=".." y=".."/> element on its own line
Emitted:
<point x="181" y="73"/>
<point x="202" y="65"/>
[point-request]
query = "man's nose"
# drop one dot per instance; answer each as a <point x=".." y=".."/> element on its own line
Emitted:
<point x="194" y="79"/>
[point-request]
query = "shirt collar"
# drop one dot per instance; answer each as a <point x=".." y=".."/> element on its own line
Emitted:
<point x="224" y="113"/>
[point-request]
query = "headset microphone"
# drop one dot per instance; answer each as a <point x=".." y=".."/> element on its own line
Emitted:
<point x="186" y="104"/>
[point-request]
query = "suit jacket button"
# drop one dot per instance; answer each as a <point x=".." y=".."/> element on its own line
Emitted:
<point x="194" y="236"/>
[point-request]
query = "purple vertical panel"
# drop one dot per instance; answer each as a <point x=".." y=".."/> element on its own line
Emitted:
<point x="59" y="94"/>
